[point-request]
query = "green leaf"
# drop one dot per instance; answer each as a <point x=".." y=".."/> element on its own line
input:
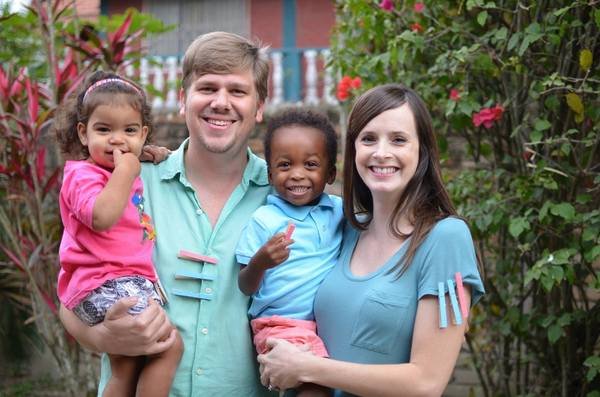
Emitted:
<point x="532" y="34"/>
<point x="592" y="254"/>
<point x="554" y="332"/>
<point x="542" y="125"/>
<point x="517" y="226"/>
<point x="585" y="59"/>
<point x="544" y="210"/>
<point x="564" y="210"/>
<point x="574" y="102"/>
<point x="557" y="273"/>
<point x="482" y="17"/>
<point x="513" y="41"/>
<point x="593" y="363"/>
<point x="597" y="17"/>
<point x="501" y="34"/>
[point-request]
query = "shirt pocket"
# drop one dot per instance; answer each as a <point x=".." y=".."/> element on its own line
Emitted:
<point x="377" y="327"/>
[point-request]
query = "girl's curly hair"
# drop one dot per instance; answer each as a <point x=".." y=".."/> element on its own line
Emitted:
<point x="76" y="110"/>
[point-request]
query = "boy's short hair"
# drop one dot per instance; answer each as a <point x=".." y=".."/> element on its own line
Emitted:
<point x="223" y="53"/>
<point x="304" y="118"/>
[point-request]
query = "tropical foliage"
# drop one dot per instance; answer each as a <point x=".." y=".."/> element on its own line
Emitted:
<point x="513" y="87"/>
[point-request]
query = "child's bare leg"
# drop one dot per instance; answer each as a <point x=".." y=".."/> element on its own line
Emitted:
<point x="313" y="390"/>
<point x="124" y="378"/>
<point x="159" y="371"/>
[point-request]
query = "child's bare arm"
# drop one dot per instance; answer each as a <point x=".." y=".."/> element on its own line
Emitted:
<point x="274" y="252"/>
<point x="111" y="201"/>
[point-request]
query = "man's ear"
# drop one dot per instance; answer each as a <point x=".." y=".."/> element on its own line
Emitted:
<point x="81" y="133"/>
<point x="260" y="111"/>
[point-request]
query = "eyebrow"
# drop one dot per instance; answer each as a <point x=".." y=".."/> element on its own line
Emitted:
<point x="100" y="123"/>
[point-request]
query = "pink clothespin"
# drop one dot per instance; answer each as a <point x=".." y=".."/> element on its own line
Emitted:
<point x="192" y="256"/>
<point x="461" y="295"/>
<point x="290" y="229"/>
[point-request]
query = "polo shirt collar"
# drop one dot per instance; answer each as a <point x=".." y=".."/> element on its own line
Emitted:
<point x="255" y="171"/>
<point x="298" y="212"/>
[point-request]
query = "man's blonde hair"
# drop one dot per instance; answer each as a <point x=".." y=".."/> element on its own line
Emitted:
<point x="223" y="53"/>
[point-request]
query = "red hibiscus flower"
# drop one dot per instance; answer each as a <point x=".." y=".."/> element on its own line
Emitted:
<point x="419" y="7"/>
<point x="487" y="116"/>
<point x="347" y="84"/>
<point x="454" y="94"/>
<point x="416" y="27"/>
<point x="386" y="5"/>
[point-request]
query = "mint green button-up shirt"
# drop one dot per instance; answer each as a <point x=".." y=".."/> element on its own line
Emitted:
<point x="219" y="357"/>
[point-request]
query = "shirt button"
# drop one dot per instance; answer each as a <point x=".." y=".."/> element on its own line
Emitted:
<point x="204" y="331"/>
<point x="199" y="371"/>
<point x="199" y="211"/>
<point x="208" y="290"/>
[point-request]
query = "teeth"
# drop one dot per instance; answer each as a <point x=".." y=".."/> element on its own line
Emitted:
<point x="384" y="170"/>
<point x="220" y="123"/>
<point x="298" y="189"/>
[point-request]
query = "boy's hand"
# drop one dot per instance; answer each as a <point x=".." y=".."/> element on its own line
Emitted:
<point x="274" y="252"/>
<point x="155" y="154"/>
<point x="127" y="162"/>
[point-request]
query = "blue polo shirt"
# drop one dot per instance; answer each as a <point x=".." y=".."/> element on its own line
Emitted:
<point x="205" y="302"/>
<point x="289" y="289"/>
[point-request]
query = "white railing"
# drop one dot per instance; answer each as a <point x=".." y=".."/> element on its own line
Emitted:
<point x="162" y="75"/>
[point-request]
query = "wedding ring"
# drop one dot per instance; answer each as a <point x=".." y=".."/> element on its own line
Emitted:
<point x="270" y="387"/>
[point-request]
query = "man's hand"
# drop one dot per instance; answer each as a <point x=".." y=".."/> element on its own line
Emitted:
<point x="149" y="332"/>
<point x="155" y="154"/>
<point x="120" y="333"/>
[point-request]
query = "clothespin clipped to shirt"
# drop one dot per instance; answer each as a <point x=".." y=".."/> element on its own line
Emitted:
<point x="459" y="306"/>
<point x="192" y="256"/>
<point x="290" y="229"/>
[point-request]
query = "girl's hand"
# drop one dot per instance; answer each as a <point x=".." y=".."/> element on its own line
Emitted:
<point x="281" y="367"/>
<point x="274" y="252"/>
<point x="127" y="162"/>
<point x="154" y="153"/>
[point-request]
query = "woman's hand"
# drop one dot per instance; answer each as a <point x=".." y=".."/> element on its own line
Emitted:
<point x="281" y="368"/>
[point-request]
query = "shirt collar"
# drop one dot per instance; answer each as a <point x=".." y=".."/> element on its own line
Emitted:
<point x="298" y="212"/>
<point x="255" y="171"/>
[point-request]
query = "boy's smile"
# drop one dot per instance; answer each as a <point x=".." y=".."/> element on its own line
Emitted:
<point x="299" y="168"/>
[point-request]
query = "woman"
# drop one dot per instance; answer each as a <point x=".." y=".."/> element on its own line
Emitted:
<point x="392" y="312"/>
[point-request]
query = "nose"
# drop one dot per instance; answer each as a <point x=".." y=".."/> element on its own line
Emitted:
<point x="297" y="173"/>
<point x="116" y="138"/>
<point x="221" y="100"/>
<point x="381" y="150"/>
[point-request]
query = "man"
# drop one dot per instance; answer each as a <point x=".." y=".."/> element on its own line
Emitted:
<point x="199" y="199"/>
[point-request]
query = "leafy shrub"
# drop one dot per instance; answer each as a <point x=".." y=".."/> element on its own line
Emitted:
<point x="516" y="83"/>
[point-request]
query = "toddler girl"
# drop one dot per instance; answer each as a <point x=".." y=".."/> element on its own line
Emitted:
<point x="106" y="248"/>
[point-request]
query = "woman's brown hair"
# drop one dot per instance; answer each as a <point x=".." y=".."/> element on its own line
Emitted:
<point x="425" y="199"/>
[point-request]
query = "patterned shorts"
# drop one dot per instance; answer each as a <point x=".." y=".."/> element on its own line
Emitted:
<point x="92" y="309"/>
